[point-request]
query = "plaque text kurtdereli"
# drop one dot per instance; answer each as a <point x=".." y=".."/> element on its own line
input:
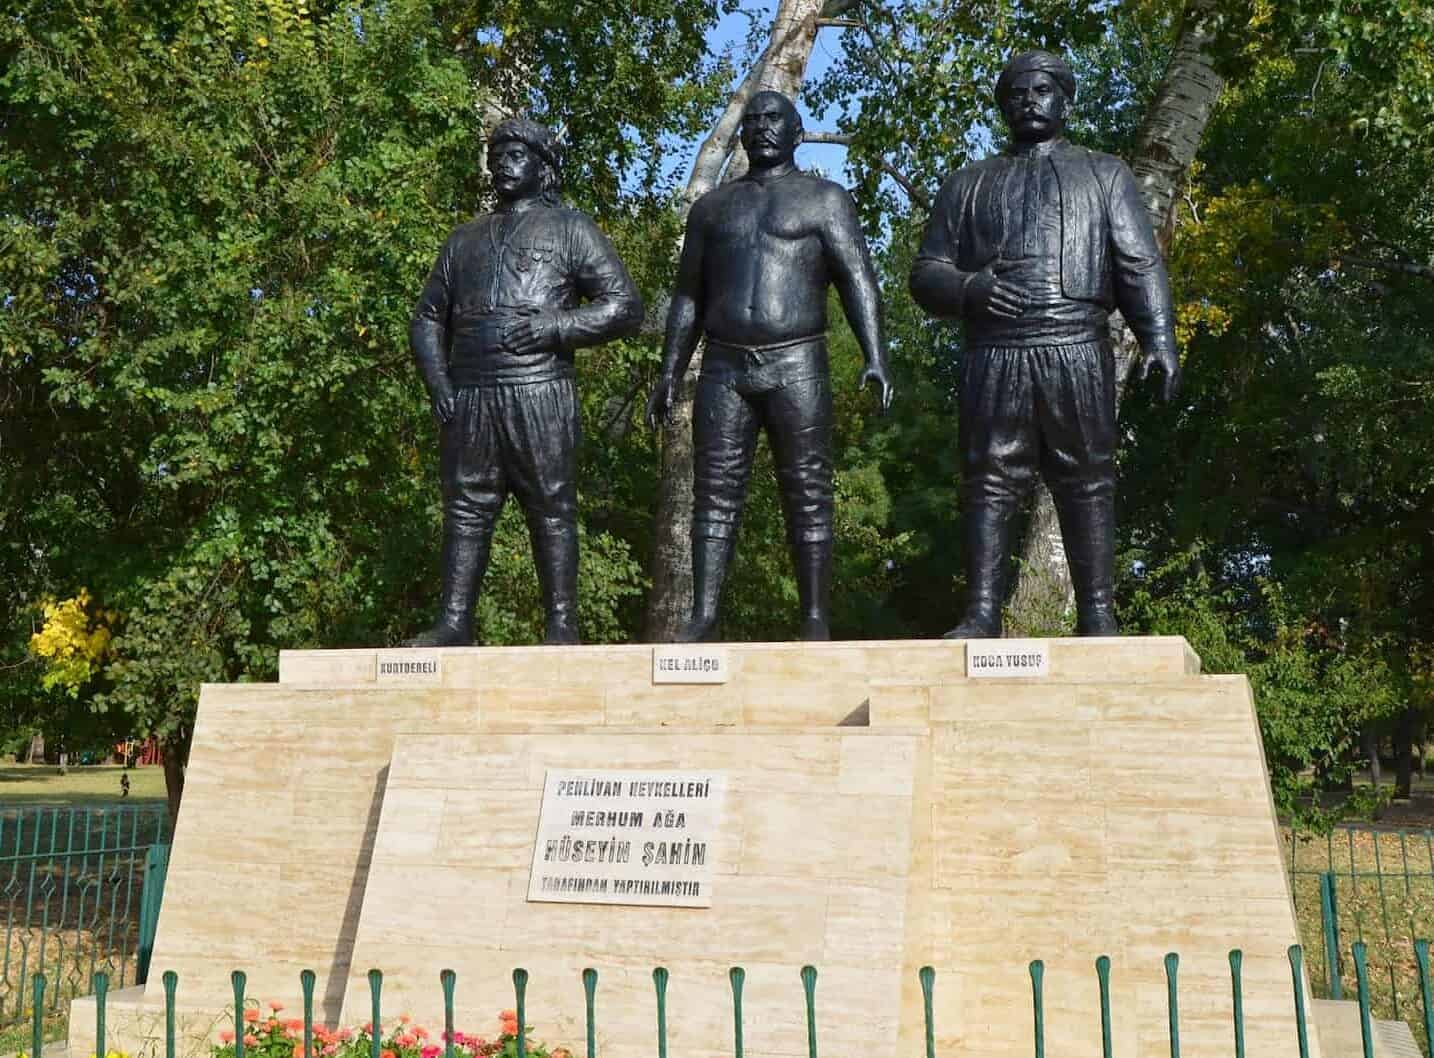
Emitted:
<point x="628" y="837"/>
<point x="408" y="666"/>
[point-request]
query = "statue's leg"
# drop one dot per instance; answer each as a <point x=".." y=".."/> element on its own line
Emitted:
<point x="798" y="419"/>
<point x="999" y="449"/>
<point x="473" y="493"/>
<point x="724" y="440"/>
<point x="541" y="428"/>
<point x="1078" y="427"/>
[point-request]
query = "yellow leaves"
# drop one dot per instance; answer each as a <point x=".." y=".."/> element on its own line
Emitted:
<point x="263" y="41"/>
<point x="73" y="640"/>
<point x="1192" y="316"/>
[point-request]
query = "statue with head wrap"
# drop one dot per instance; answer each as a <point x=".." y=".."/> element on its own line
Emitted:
<point x="510" y="299"/>
<point x="1031" y="250"/>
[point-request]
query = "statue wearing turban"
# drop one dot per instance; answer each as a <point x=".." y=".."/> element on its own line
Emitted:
<point x="1032" y="250"/>
<point x="512" y="295"/>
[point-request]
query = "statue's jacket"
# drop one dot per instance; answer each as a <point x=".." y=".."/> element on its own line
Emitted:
<point x="535" y="258"/>
<point x="1108" y="252"/>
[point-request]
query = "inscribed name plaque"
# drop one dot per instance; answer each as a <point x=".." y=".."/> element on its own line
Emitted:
<point x="408" y="666"/>
<point x="689" y="664"/>
<point x="988" y="658"/>
<point x="628" y="837"/>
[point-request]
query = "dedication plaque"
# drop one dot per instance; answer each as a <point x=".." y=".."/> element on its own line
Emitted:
<point x="409" y="666"/>
<point x="988" y="658"/>
<point x="628" y="837"/>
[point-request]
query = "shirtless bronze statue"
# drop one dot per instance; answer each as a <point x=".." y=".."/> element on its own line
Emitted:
<point x="758" y="256"/>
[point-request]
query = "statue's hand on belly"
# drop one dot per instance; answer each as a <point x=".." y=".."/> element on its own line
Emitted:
<point x="991" y="293"/>
<point x="535" y="331"/>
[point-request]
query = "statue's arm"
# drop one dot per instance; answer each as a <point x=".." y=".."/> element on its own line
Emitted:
<point x="684" y="321"/>
<point x="936" y="283"/>
<point x="612" y="306"/>
<point x="428" y="330"/>
<point x="1142" y="285"/>
<point x="684" y="313"/>
<point x="850" y="264"/>
<point x="1139" y="278"/>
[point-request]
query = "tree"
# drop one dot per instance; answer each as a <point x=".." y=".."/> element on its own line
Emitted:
<point x="216" y="222"/>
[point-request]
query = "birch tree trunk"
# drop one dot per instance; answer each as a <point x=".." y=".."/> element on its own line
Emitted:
<point x="781" y="68"/>
<point x="1169" y="138"/>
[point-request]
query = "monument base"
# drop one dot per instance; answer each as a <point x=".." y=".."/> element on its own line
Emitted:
<point x="884" y="811"/>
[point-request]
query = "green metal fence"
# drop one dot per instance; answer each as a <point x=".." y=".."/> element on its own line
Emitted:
<point x="79" y="895"/>
<point x="1370" y="885"/>
<point x="447" y="981"/>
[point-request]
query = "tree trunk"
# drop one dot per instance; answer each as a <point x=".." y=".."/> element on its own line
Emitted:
<point x="1404" y="732"/>
<point x="1369" y="743"/>
<point x="781" y="67"/>
<point x="174" y="754"/>
<point x="1164" y="149"/>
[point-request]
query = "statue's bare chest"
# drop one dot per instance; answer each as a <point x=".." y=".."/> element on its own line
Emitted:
<point x="751" y="217"/>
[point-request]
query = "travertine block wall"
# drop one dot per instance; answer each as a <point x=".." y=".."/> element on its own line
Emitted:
<point x="813" y="859"/>
<point x="1118" y="806"/>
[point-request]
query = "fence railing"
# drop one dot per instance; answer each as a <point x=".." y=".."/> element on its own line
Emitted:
<point x="1369" y="885"/>
<point x="80" y="891"/>
<point x="372" y="1035"/>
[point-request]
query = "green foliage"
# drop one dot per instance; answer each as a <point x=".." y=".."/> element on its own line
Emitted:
<point x="1315" y="692"/>
<point x="216" y="219"/>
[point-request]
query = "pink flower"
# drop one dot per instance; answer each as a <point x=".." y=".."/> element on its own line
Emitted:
<point x="420" y="1032"/>
<point x="294" y="1025"/>
<point x="275" y="1006"/>
<point x="251" y="1015"/>
<point x="404" y="1019"/>
<point x="227" y="1036"/>
<point x="250" y="1039"/>
<point x="405" y="1039"/>
<point x="431" y="1051"/>
<point x="345" y="1034"/>
<point x="298" y="1050"/>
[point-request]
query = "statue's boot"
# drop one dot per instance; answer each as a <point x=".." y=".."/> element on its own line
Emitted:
<point x="987" y="538"/>
<point x="465" y="559"/>
<point x="555" y="552"/>
<point x="1088" y="532"/>
<point x="710" y="557"/>
<point x="813" y="563"/>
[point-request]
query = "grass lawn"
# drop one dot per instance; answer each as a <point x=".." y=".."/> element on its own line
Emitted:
<point x="84" y="786"/>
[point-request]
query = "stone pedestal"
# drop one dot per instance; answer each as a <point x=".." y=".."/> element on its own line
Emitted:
<point x="883" y="812"/>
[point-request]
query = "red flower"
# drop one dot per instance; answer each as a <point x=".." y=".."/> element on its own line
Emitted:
<point x="430" y="1051"/>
